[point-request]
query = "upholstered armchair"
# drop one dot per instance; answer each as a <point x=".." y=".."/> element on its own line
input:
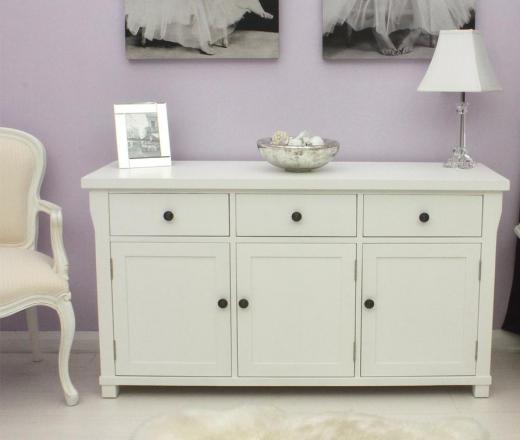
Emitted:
<point x="29" y="278"/>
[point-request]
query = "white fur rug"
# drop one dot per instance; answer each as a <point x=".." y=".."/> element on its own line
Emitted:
<point x="272" y="424"/>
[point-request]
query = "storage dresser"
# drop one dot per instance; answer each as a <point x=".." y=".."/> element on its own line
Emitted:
<point x="237" y="273"/>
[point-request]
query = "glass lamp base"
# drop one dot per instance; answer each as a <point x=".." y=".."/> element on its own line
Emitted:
<point x="460" y="159"/>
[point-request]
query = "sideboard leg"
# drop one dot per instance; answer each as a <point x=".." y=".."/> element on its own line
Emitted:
<point x="481" y="391"/>
<point x="109" y="391"/>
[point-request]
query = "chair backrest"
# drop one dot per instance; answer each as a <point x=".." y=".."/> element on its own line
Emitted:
<point x="22" y="165"/>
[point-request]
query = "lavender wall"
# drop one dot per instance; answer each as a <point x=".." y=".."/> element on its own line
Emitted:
<point x="63" y="66"/>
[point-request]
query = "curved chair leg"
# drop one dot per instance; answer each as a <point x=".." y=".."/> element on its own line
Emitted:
<point x="32" y="325"/>
<point x="68" y="325"/>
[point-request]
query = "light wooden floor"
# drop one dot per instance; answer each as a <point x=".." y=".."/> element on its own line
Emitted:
<point x="31" y="405"/>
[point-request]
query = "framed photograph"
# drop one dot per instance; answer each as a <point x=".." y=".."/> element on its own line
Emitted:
<point x="143" y="138"/>
<point x="390" y="29"/>
<point x="204" y="29"/>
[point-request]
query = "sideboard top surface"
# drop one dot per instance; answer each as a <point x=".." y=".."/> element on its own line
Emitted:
<point x="337" y="176"/>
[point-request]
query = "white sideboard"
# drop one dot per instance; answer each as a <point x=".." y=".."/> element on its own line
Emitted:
<point x="237" y="273"/>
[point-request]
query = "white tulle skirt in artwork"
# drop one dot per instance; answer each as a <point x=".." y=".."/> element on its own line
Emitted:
<point x="387" y="16"/>
<point x="191" y="23"/>
<point x="433" y="16"/>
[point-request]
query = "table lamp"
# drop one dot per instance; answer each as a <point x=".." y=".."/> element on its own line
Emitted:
<point x="460" y="64"/>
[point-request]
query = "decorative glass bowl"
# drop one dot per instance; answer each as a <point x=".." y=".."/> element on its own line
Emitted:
<point x="298" y="159"/>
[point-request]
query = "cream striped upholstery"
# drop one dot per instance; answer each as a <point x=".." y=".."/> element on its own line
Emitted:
<point x="17" y="170"/>
<point x="25" y="273"/>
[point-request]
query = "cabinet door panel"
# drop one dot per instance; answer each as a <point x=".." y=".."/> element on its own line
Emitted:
<point x="167" y="321"/>
<point x="301" y="315"/>
<point x="424" y="321"/>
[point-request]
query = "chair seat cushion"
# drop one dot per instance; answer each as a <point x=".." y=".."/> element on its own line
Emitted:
<point x="24" y="273"/>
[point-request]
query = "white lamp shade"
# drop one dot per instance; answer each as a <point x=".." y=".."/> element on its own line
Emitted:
<point x="460" y="64"/>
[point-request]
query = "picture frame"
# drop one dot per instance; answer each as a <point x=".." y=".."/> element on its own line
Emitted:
<point x="142" y="135"/>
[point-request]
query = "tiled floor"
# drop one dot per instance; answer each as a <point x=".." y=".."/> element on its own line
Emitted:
<point x="31" y="405"/>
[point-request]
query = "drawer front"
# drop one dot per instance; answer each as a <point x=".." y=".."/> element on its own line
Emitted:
<point x="298" y="215"/>
<point x="169" y="214"/>
<point x="422" y="216"/>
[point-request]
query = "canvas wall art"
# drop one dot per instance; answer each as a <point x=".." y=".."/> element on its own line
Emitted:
<point x="390" y="29"/>
<point x="205" y="29"/>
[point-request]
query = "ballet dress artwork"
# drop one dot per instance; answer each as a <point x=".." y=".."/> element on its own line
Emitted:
<point x="390" y="28"/>
<point x="199" y="29"/>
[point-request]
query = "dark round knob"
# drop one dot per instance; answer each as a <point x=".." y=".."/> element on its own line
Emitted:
<point x="296" y="216"/>
<point x="424" y="217"/>
<point x="369" y="304"/>
<point x="168" y="216"/>
<point x="243" y="303"/>
<point x="222" y="303"/>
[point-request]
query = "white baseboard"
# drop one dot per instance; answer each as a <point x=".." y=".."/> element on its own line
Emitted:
<point x="19" y="342"/>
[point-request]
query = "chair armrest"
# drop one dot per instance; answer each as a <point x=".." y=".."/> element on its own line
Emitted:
<point x="61" y="263"/>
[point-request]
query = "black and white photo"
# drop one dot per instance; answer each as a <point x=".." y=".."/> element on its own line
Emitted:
<point x="389" y="29"/>
<point x="142" y="135"/>
<point x="142" y="132"/>
<point x="205" y="29"/>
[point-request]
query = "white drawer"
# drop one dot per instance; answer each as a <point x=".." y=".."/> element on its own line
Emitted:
<point x="169" y="214"/>
<point x="298" y="215"/>
<point x="422" y="216"/>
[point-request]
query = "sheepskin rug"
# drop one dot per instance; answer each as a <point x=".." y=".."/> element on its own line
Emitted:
<point x="248" y="423"/>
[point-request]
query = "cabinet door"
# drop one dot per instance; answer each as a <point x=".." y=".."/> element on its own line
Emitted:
<point x="300" y="320"/>
<point x="166" y="315"/>
<point x="420" y="309"/>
